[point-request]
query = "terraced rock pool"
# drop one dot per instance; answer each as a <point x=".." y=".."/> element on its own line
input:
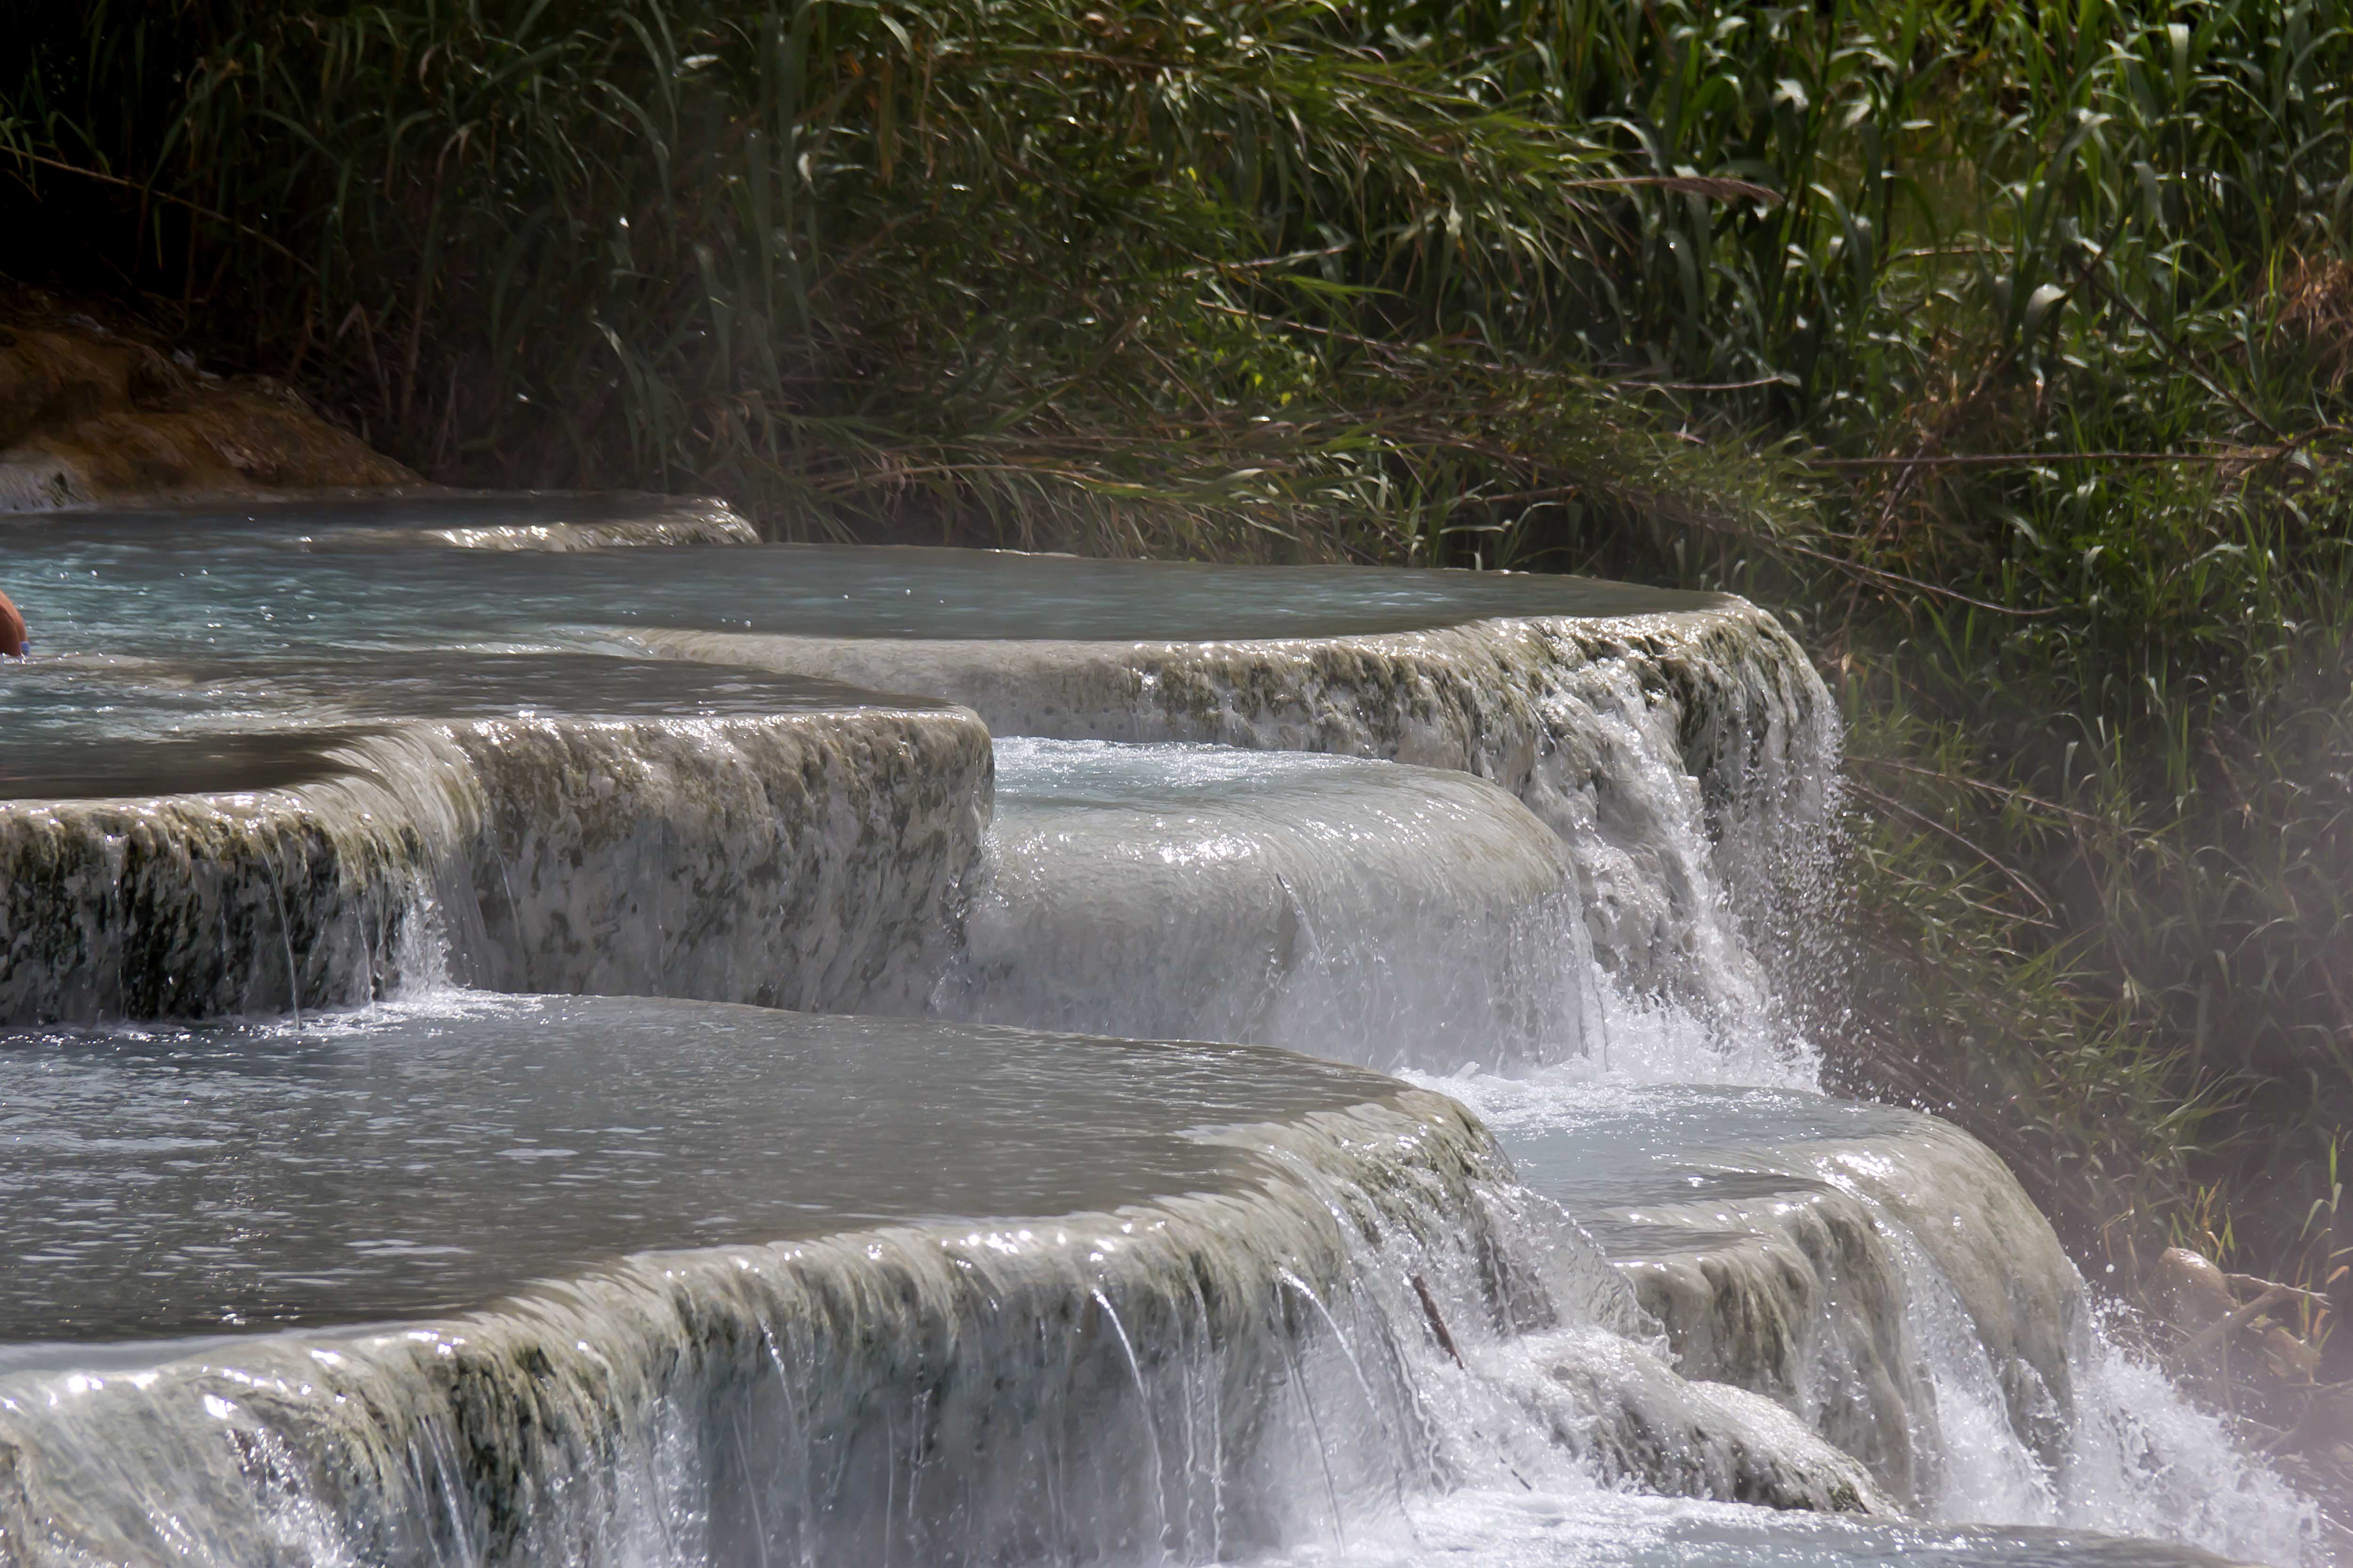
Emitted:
<point x="542" y="1030"/>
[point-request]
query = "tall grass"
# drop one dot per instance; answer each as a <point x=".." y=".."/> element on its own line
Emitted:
<point x="2035" y="322"/>
<point x="1142" y="275"/>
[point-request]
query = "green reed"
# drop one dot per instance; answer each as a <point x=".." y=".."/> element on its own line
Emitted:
<point x="1132" y="278"/>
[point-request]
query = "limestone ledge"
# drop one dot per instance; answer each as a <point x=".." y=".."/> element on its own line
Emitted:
<point x="1836" y="1278"/>
<point x="560" y="537"/>
<point x="330" y="519"/>
<point x="1084" y="1387"/>
<point x="605" y="523"/>
<point x="802" y="860"/>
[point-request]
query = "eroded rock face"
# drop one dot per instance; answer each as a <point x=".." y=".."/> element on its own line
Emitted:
<point x="1685" y="1436"/>
<point x="1876" y="1273"/>
<point x="89" y="416"/>
<point x="1791" y="1291"/>
<point x="791" y="848"/>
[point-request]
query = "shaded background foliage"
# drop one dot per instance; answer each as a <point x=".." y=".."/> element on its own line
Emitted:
<point x="2005" y="347"/>
<point x="1120" y="278"/>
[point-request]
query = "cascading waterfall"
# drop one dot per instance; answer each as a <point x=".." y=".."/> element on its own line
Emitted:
<point x="1624" y="734"/>
<point x="1363" y="911"/>
<point x="445" y="1278"/>
<point x="1240" y="1348"/>
<point x="1880" y="1275"/>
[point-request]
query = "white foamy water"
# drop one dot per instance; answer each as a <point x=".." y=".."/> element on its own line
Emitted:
<point x="1866" y="1275"/>
<point x="1360" y="910"/>
<point x="2017" y="1408"/>
<point x="1516" y="1528"/>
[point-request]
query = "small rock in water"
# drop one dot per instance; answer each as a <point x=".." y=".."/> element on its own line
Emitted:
<point x="2291" y="1360"/>
<point x="2192" y="1294"/>
<point x="2190" y="1290"/>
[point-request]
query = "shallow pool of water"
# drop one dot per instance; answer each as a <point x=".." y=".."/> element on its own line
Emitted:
<point x="158" y="1181"/>
<point x="219" y="724"/>
<point x="270" y="580"/>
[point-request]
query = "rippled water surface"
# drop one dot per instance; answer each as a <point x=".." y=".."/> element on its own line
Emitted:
<point x="159" y="1181"/>
<point x="1600" y="1150"/>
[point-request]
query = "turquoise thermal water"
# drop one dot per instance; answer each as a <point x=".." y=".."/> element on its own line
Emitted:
<point x="461" y="1152"/>
<point x="264" y="583"/>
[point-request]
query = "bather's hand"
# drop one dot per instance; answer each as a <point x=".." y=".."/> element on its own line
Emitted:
<point x="12" y="629"/>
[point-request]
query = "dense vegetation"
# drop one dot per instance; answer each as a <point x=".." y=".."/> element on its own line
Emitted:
<point x="2007" y="346"/>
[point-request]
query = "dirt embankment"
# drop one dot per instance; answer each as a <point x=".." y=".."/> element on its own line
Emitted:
<point x="93" y="413"/>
